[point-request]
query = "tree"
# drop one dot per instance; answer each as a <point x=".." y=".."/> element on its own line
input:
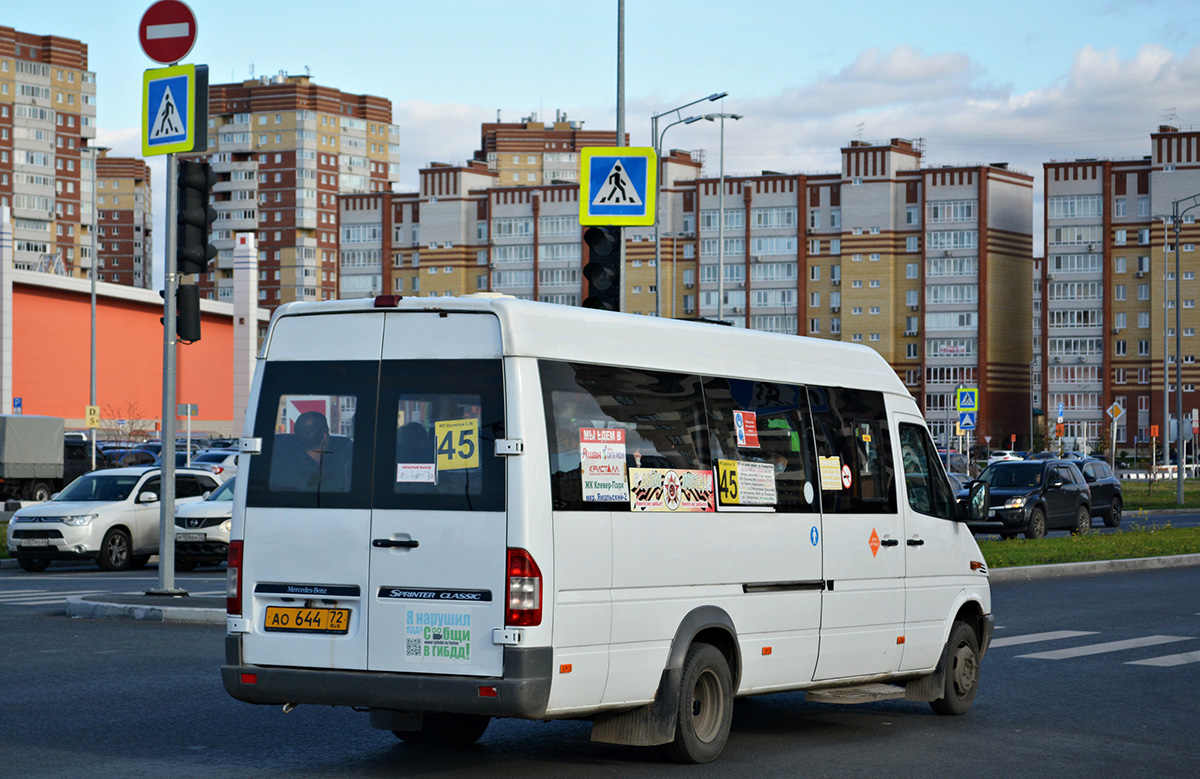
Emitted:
<point x="129" y="424"/>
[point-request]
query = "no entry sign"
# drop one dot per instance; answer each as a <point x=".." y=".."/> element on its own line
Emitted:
<point x="167" y="31"/>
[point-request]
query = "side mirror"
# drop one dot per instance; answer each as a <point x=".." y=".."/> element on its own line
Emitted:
<point x="147" y="497"/>
<point x="975" y="507"/>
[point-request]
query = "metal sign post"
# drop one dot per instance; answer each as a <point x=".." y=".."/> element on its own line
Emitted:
<point x="166" y="513"/>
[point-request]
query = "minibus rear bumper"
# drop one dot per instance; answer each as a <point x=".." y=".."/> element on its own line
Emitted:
<point x="523" y="691"/>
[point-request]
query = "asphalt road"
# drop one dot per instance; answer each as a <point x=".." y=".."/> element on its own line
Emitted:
<point x="1118" y="695"/>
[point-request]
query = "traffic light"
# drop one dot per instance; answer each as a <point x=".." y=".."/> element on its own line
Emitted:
<point x="187" y="313"/>
<point x="194" y="216"/>
<point x="603" y="270"/>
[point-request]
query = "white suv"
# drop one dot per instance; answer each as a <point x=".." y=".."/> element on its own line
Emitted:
<point x="110" y="516"/>
<point x="1000" y="455"/>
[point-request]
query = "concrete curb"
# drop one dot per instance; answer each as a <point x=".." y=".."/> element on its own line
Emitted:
<point x="1024" y="573"/>
<point x="80" y="606"/>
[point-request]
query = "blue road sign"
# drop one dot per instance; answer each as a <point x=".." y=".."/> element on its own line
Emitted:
<point x="175" y="109"/>
<point x="618" y="186"/>
<point x="16" y="405"/>
<point x="968" y="399"/>
<point x="966" y="420"/>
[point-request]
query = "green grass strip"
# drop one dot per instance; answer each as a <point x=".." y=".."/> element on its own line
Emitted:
<point x="1129" y="542"/>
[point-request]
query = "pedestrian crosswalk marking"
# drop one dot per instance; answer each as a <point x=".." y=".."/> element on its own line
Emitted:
<point x="1166" y="661"/>
<point x="41" y="597"/>
<point x="1110" y="646"/>
<point x="1033" y="638"/>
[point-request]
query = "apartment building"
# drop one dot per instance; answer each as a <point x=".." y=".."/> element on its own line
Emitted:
<point x="47" y="118"/>
<point x="124" y="223"/>
<point x="532" y="153"/>
<point x="1108" y="334"/>
<point x="931" y="267"/>
<point x="283" y="149"/>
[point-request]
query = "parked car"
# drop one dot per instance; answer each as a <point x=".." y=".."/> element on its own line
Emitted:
<point x="109" y="516"/>
<point x="1107" y="499"/>
<point x="1032" y="497"/>
<point x="1000" y="455"/>
<point x="202" y="529"/>
<point x="959" y="482"/>
<point x="222" y="462"/>
<point x="954" y="462"/>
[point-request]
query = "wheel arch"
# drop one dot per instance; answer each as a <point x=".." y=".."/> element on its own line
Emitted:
<point x="708" y="625"/>
<point x="971" y="612"/>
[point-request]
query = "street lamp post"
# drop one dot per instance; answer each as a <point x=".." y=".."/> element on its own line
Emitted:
<point x="656" y="140"/>
<point x="1176" y="215"/>
<point x="96" y="152"/>
<point x="721" y="218"/>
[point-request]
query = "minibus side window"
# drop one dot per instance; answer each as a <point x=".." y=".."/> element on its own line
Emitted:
<point x="854" y="451"/>
<point x="439" y="421"/>
<point x="761" y="444"/>
<point x="315" y="420"/>
<point x="927" y="488"/>
<point x="630" y="419"/>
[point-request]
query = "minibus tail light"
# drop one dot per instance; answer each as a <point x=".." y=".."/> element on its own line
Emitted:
<point x="387" y="301"/>
<point x="524" y="590"/>
<point x="233" y="580"/>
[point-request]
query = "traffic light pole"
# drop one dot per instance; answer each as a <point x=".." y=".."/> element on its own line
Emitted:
<point x="166" y="510"/>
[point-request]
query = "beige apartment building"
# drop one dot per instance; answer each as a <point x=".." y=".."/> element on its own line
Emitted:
<point x="47" y="119"/>
<point x="929" y="266"/>
<point x="124" y="222"/>
<point x="284" y="148"/>
<point x="1107" y="325"/>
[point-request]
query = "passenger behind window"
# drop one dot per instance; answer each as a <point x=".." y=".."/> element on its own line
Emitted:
<point x="308" y="460"/>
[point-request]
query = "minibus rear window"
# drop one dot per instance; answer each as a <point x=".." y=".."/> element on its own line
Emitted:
<point x="316" y="422"/>
<point x="438" y="424"/>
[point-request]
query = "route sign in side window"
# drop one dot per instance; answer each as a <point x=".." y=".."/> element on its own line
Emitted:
<point x="316" y="422"/>
<point x="854" y="451"/>
<point x="927" y="488"/>
<point x="761" y="444"/>
<point x="438" y="425"/>
<point x="612" y="431"/>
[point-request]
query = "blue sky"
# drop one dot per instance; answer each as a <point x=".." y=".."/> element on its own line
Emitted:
<point x="1022" y="82"/>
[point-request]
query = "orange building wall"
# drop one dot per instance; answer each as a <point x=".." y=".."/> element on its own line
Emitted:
<point x="51" y="358"/>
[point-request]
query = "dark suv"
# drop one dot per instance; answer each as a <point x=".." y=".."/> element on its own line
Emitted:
<point x="1106" y="491"/>
<point x="1033" y="496"/>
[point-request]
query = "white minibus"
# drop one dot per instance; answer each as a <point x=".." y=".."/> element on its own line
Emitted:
<point x="453" y="509"/>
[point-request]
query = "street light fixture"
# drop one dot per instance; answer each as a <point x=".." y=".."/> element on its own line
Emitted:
<point x="656" y="140"/>
<point x="721" y="219"/>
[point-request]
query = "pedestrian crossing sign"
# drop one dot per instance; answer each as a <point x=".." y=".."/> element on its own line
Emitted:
<point x="175" y="109"/>
<point x="617" y="186"/>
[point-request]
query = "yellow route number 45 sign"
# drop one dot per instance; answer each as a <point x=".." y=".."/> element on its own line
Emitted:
<point x="457" y="444"/>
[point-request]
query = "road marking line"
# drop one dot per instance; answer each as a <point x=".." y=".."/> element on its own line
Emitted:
<point x="1033" y="638"/>
<point x="1111" y="646"/>
<point x="1166" y="661"/>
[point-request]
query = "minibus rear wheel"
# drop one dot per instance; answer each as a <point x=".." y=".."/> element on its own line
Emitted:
<point x="705" y="709"/>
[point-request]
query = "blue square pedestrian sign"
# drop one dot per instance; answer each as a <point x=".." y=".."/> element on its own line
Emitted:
<point x="175" y="109"/>
<point x="967" y="399"/>
<point x="618" y="186"/>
